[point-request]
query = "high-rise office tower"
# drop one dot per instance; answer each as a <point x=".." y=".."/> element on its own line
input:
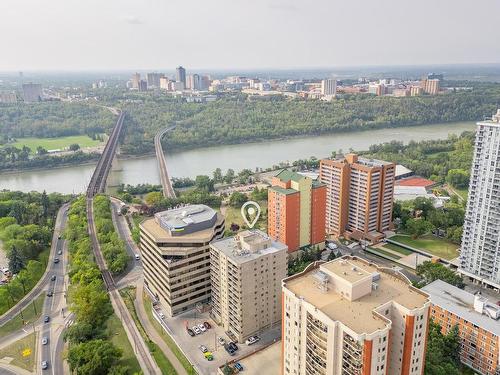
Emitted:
<point x="329" y="87"/>
<point x="180" y="75"/>
<point x="480" y="250"/>
<point x="193" y="82"/>
<point x="32" y="92"/>
<point x="143" y="85"/>
<point x="176" y="255"/>
<point x="153" y="79"/>
<point x="246" y="272"/>
<point x="359" y="196"/>
<point x="136" y="79"/>
<point x="296" y="210"/>
<point x="349" y="317"/>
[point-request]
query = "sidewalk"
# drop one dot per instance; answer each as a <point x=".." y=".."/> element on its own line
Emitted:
<point x="152" y="332"/>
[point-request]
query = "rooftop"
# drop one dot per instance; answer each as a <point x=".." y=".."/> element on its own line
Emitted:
<point x="372" y="162"/>
<point x="415" y="181"/>
<point x="284" y="191"/>
<point x="248" y="245"/>
<point x="285" y="175"/>
<point x="460" y="303"/>
<point x="358" y="315"/>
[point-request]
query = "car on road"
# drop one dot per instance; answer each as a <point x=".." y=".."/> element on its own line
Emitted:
<point x="252" y="340"/>
<point x="45" y="340"/>
<point x="196" y="330"/>
<point x="221" y="341"/>
<point x="238" y="366"/>
<point x="45" y="365"/>
<point x="56" y="260"/>
<point x="162" y="315"/>
<point x="202" y="327"/>
<point x="207" y="325"/>
<point x="137" y="257"/>
<point x="203" y="348"/>
<point x="59" y="252"/>
<point x="59" y="237"/>
<point x="233" y="346"/>
<point x="53" y="278"/>
<point x="46" y="319"/>
<point x="209" y="356"/>
<point x="229" y="349"/>
<point x="50" y="293"/>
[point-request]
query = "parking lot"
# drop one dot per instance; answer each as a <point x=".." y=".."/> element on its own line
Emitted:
<point x="176" y="327"/>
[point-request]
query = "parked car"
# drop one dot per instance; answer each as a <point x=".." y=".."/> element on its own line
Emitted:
<point x="229" y="349"/>
<point x="203" y="348"/>
<point x="46" y="319"/>
<point x="207" y="325"/>
<point x="190" y="332"/>
<point x="59" y="252"/>
<point x="50" y="293"/>
<point x="252" y="340"/>
<point x="53" y="278"/>
<point x="209" y="356"/>
<point x="59" y="237"/>
<point x="196" y="330"/>
<point x="56" y="260"/>
<point x="202" y="327"/>
<point x="162" y="315"/>
<point x="238" y="366"/>
<point x="221" y="341"/>
<point x="45" y="365"/>
<point x="137" y="257"/>
<point x="45" y="340"/>
<point x="233" y="346"/>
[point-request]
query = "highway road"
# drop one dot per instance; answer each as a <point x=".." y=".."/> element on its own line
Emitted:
<point x="97" y="185"/>
<point x="168" y="190"/>
<point x="45" y="279"/>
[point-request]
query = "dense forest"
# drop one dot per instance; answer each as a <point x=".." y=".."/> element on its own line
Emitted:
<point x="239" y="120"/>
<point x="26" y="225"/>
<point x="52" y="119"/>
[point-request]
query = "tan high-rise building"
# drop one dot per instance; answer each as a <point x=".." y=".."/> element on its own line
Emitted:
<point x="430" y="86"/>
<point x="349" y="317"/>
<point x="136" y="79"/>
<point x="176" y="255"/>
<point x="359" y="196"/>
<point x="247" y="270"/>
<point x="478" y="322"/>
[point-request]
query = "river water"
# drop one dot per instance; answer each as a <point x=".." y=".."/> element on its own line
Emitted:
<point x="203" y="161"/>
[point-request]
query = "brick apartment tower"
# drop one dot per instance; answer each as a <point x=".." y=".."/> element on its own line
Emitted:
<point x="359" y="196"/>
<point x="296" y="210"/>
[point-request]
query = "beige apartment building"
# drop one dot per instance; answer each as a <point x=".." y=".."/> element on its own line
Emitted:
<point x="350" y="317"/>
<point x="176" y="255"/>
<point x="247" y="270"/>
<point x="359" y="196"/>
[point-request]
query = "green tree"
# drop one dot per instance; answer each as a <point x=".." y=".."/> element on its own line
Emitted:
<point x="442" y="355"/>
<point x="458" y="178"/>
<point x="94" y="357"/>
<point x="153" y="198"/>
<point x="74" y="147"/>
<point x="204" y="183"/>
<point x="16" y="260"/>
<point x="237" y="199"/>
<point x="229" y="177"/>
<point x="430" y="272"/>
<point x="217" y="175"/>
<point x="41" y="151"/>
<point x="418" y="227"/>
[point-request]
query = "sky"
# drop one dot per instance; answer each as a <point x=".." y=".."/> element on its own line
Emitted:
<point x="244" y="34"/>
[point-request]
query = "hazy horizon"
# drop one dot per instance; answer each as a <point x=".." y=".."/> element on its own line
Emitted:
<point x="124" y="35"/>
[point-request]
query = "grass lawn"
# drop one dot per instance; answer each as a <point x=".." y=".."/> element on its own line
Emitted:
<point x="168" y="340"/>
<point x="29" y="316"/>
<point x="16" y="350"/>
<point x="436" y="246"/>
<point x="120" y="339"/>
<point x="56" y="143"/>
<point x="398" y="249"/>
<point x="383" y="252"/>
<point x="463" y="193"/>
<point x="162" y="361"/>
<point x="233" y="215"/>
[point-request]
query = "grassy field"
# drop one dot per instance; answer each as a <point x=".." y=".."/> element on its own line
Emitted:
<point x="436" y="246"/>
<point x="463" y="193"/>
<point x="398" y="249"/>
<point x="168" y="340"/>
<point x="16" y="350"/>
<point x="56" y="143"/>
<point x="28" y="314"/>
<point x="386" y="253"/>
<point x="120" y="339"/>
<point x="233" y="215"/>
<point x="162" y="361"/>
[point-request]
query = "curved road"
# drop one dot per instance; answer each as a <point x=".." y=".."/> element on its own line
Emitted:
<point x="168" y="190"/>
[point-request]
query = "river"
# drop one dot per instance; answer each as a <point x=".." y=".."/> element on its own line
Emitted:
<point x="203" y="161"/>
